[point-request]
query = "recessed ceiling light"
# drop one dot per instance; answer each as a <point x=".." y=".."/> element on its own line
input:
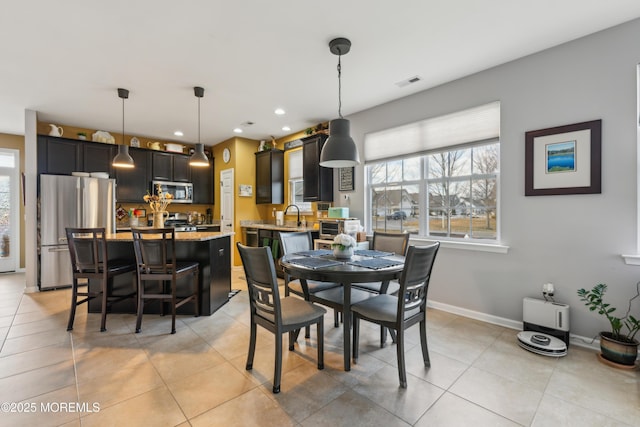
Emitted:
<point x="178" y="133"/>
<point x="279" y="111"/>
<point x="286" y="128"/>
<point x="237" y="130"/>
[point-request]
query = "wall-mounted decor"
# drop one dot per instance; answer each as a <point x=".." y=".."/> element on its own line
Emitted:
<point x="563" y="160"/>
<point x="346" y="179"/>
<point x="246" y="190"/>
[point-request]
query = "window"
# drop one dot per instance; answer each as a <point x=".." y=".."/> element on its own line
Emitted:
<point x="446" y="192"/>
<point x="295" y="181"/>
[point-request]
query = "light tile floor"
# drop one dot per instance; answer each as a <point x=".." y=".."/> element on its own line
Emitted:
<point x="479" y="376"/>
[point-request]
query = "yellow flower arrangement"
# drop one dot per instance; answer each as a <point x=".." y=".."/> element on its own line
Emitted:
<point x="158" y="202"/>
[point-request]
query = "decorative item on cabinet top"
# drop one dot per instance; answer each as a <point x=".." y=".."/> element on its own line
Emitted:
<point x="103" y="136"/>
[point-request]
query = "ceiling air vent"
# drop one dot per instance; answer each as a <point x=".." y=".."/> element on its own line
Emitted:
<point x="409" y="81"/>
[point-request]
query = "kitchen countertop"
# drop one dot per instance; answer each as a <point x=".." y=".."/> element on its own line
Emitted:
<point x="194" y="236"/>
<point x="280" y="227"/>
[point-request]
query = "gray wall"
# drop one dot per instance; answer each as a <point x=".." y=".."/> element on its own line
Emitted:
<point x="572" y="241"/>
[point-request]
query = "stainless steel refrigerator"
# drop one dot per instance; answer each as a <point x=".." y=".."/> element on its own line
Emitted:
<point x="70" y="201"/>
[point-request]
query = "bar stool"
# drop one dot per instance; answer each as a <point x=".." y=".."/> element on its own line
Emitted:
<point x="156" y="261"/>
<point x="90" y="260"/>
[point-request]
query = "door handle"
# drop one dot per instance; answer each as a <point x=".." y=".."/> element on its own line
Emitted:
<point x="58" y="249"/>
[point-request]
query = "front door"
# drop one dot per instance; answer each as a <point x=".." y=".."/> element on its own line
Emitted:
<point x="9" y="210"/>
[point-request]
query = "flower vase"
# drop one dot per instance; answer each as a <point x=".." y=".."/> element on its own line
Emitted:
<point x="158" y="219"/>
<point x="345" y="253"/>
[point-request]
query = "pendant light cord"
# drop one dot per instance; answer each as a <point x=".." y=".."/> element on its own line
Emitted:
<point x="339" y="85"/>
<point x="123" y="141"/>
<point x="198" y="120"/>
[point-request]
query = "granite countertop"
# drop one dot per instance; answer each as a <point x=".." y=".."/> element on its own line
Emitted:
<point x="182" y="236"/>
<point x="280" y="227"/>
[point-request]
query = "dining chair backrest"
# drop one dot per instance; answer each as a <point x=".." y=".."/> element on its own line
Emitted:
<point x="88" y="249"/>
<point x="414" y="280"/>
<point x="154" y="249"/>
<point x="296" y="241"/>
<point x="260" y="273"/>
<point x="398" y="243"/>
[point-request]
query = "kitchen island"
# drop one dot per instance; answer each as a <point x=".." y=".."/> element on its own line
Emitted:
<point x="212" y="250"/>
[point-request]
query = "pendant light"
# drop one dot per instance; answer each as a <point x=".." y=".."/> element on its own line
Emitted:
<point x="198" y="158"/>
<point x="340" y="150"/>
<point x="123" y="159"/>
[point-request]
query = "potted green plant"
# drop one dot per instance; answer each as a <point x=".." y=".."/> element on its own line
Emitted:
<point x="619" y="345"/>
<point x="82" y="135"/>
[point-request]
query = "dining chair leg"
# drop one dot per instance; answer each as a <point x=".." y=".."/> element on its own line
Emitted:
<point x="292" y="335"/>
<point x="252" y="346"/>
<point x="173" y="306"/>
<point x="104" y="287"/>
<point x="402" y="370"/>
<point x="307" y="332"/>
<point x="74" y="299"/>
<point x="383" y="336"/>
<point x="423" y="342"/>
<point x="320" y="332"/>
<point x="356" y="338"/>
<point x="140" y="305"/>
<point x="278" y="362"/>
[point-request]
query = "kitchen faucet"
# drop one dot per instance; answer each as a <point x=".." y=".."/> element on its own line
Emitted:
<point x="297" y="208"/>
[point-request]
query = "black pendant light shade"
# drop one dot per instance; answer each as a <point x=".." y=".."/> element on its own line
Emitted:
<point x="199" y="158"/>
<point x="340" y="150"/>
<point x="123" y="159"/>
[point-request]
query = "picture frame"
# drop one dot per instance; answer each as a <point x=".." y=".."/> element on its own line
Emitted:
<point x="564" y="160"/>
<point x="346" y="181"/>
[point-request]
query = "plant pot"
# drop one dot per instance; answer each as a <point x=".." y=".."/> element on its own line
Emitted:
<point x="622" y="352"/>
<point x="343" y="253"/>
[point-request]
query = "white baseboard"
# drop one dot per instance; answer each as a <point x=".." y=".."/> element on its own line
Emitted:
<point x="577" y="340"/>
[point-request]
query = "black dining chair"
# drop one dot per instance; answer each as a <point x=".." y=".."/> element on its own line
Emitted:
<point x="396" y="243"/>
<point x="279" y="316"/>
<point x="156" y="262"/>
<point x="90" y="261"/>
<point x="299" y="241"/>
<point x="404" y="310"/>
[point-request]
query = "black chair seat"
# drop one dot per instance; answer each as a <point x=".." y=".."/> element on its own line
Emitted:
<point x="314" y="286"/>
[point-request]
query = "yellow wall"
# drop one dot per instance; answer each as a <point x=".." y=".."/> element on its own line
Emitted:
<point x="16" y="142"/>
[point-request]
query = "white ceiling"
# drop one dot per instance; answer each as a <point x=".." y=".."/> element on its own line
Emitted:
<point x="65" y="59"/>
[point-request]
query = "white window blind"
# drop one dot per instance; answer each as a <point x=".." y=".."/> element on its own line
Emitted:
<point x="295" y="164"/>
<point x="475" y="124"/>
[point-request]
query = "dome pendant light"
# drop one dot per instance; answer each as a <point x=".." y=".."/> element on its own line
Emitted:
<point x="340" y="150"/>
<point x="123" y="159"/>
<point x="198" y="158"/>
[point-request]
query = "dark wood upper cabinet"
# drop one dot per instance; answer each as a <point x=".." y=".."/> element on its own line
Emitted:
<point x="170" y="167"/>
<point x="59" y="156"/>
<point x="203" y="188"/>
<point x="133" y="184"/>
<point x="181" y="168"/>
<point x="270" y="177"/>
<point x="98" y="157"/>
<point x="318" y="180"/>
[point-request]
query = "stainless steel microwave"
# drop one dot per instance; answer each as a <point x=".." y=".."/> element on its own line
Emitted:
<point x="329" y="228"/>
<point x="182" y="191"/>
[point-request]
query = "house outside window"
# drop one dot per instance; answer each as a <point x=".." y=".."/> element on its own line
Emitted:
<point x="448" y="191"/>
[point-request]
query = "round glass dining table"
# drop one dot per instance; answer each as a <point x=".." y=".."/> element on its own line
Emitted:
<point x="327" y="268"/>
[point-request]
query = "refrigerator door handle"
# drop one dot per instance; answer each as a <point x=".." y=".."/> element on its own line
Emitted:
<point x="58" y="249"/>
<point x="62" y="240"/>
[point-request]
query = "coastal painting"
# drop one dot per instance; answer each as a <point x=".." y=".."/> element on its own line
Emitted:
<point x="561" y="157"/>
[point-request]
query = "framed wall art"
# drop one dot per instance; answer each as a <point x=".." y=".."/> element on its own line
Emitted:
<point x="346" y="179"/>
<point x="563" y="160"/>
